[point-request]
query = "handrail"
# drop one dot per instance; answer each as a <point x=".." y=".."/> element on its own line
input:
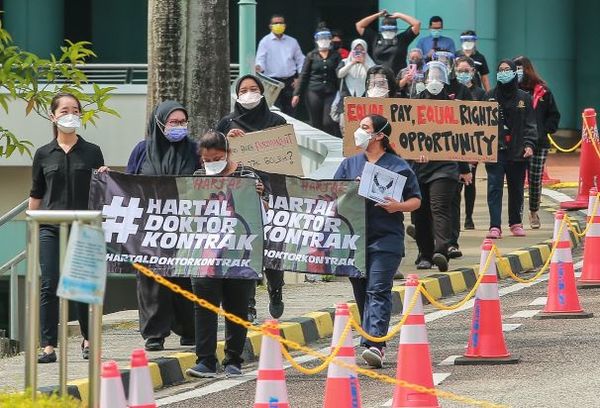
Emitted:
<point x="14" y="261"/>
<point x="13" y="213"/>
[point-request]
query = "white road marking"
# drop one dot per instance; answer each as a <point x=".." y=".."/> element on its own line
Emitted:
<point x="560" y="197"/>
<point x="524" y="314"/>
<point x="250" y="376"/>
<point x="437" y="380"/>
<point x="507" y="327"/>
<point x="541" y="301"/>
<point x="449" y="361"/>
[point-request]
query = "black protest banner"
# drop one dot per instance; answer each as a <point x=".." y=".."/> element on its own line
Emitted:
<point x="440" y="130"/>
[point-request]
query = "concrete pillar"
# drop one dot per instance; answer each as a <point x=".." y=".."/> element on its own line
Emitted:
<point x="36" y="26"/>
<point x="247" y="36"/>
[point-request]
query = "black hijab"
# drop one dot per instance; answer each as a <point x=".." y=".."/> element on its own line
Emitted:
<point x="506" y="94"/>
<point x="162" y="156"/>
<point x="250" y="120"/>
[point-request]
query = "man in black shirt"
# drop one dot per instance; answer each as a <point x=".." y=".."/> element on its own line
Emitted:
<point x="468" y="40"/>
<point x="387" y="47"/>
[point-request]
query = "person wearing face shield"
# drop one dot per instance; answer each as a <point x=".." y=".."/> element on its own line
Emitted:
<point x="517" y="140"/>
<point x="388" y="47"/>
<point x="318" y="82"/>
<point x="411" y="80"/>
<point x="547" y="118"/>
<point x="456" y="90"/>
<point x="61" y="174"/>
<point x="167" y="150"/>
<point x="380" y="83"/>
<point x="468" y="40"/>
<point x="439" y="181"/>
<point x="233" y="295"/>
<point x="385" y="231"/>
<point x="250" y="114"/>
<point x="435" y="41"/>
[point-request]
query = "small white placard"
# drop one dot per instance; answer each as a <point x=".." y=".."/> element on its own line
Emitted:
<point x="376" y="183"/>
<point x="83" y="278"/>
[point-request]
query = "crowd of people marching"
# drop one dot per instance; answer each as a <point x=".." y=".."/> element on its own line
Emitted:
<point x="378" y="64"/>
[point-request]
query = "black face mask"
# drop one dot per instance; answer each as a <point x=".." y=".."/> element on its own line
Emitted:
<point x="336" y="45"/>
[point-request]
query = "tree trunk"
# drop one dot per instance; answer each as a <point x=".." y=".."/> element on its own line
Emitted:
<point x="188" y="58"/>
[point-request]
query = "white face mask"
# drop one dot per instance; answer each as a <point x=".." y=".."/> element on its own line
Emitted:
<point x="215" y="167"/>
<point x="249" y="100"/>
<point x="420" y="87"/>
<point x="388" y="35"/>
<point x="362" y="138"/>
<point x="468" y="45"/>
<point x="377" y="92"/>
<point x="68" y="123"/>
<point x="434" y="86"/>
<point x="323" y="44"/>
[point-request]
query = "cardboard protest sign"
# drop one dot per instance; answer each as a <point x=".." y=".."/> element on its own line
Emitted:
<point x="274" y="150"/>
<point x="440" y="130"/>
<point x="181" y="226"/>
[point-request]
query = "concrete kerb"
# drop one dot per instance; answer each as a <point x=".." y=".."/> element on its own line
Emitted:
<point x="310" y="327"/>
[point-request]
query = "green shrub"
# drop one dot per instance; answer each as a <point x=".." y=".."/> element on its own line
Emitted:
<point x="23" y="400"/>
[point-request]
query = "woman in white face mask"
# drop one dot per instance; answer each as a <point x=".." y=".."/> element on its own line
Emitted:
<point x="385" y="230"/>
<point x="380" y="83"/>
<point x="251" y="112"/>
<point x="62" y="170"/>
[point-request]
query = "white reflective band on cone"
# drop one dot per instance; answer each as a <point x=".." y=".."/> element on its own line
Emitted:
<point x="336" y="371"/>
<point x="409" y="293"/>
<point x="562" y="255"/>
<point x="413" y="334"/>
<point x="487" y="291"/>
<point x="277" y="392"/>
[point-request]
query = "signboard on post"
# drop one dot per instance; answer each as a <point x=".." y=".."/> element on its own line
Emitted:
<point x="440" y="130"/>
<point x="274" y="150"/>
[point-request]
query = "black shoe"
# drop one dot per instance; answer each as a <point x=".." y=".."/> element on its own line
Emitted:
<point x="398" y="275"/>
<point x="418" y="259"/>
<point x="45" y="358"/>
<point x="454" y="252"/>
<point x="85" y="351"/>
<point x="251" y="314"/>
<point x="275" y="303"/>
<point x="187" y="341"/>
<point x="155" y="345"/>
<point x="424" y="264"/>
<point x="469" y="225"/>
<point x="440" y="261"/>
<point x="411" y="231"/>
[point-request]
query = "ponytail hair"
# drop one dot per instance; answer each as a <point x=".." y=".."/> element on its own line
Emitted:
<point x="382" y="125"/>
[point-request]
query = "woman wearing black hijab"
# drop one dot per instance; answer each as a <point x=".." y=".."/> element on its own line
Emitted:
<point x="517" y="137"/>
<point x="167" y="150"/>
<point x="250" y="114"/>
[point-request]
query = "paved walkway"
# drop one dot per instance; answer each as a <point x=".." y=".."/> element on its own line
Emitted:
<point x="121" y="334"/>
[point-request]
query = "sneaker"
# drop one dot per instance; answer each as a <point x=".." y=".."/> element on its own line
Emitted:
<point x="424" y="264"/>
<point x="411" y="231"/>
<point x="517" y="230"/>
<point x="155" y="345"/>
<point x="454" y="252"/>
<point x="251" y="314"/>
<point x="46" y="358"/>
<point x="398" y="275"/>
<point x="232" y="370"/>
<point x="534" y="220"/>
<point x="201" y="371"/>
<point x="373" y="357"/>
<point x="494" y="233"/>
<point x="276" y="303"/>
<point x="440" y="261"/>
<point x="469" y="225"/>
<point x="187" y="341"/>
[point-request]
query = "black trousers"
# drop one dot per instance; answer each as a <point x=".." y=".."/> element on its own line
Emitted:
<point x="433" y="220"/>
<point x="470" y="194"/>
<point x="284" y="99"/>
<point x="318" y="105"/>
<point x="233" y="296"/>
<point x="469" y="206"/>
<point x="162" y="310"/>
<point x="49" y="302"/>
<point x="274" y="282"/>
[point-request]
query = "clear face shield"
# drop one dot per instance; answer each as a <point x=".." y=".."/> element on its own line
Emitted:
<point x="377" y="86"/>
<point x="445" y="57"/>
<point x="436" y="76"/>
<point x="468" y="42"/>
<point x="323" y="39"/>
<point x="388" y="32"/>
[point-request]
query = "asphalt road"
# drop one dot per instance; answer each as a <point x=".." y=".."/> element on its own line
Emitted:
<point x="558" y="366"/>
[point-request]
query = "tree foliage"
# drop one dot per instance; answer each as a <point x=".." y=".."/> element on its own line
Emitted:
<point x="27" y="77"/>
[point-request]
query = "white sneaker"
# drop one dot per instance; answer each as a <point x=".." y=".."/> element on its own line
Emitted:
<point x="373" y="357"/>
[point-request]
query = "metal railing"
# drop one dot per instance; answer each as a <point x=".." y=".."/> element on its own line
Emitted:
<point x="32" y="294"/>
<point x="123" y="74"/>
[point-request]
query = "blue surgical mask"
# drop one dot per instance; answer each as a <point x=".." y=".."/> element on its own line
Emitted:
<point x="464" y="77"/>
<point x="176" y="133"/>
<point x="435" y="33"/>
<point x="505" y="77"/>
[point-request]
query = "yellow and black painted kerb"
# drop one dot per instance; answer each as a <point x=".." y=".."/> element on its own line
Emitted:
<point x="313" y="326"/>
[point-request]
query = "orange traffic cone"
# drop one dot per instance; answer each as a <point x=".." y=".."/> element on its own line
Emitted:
<point x="546" y="179"/>
<point x="342" y="388"/>
<point x="590" y="276"/>
<point x="563" y="300"/>
<point x="486" y="342"/>
<point x="141" y="391"/>
<point x="414" y="361"/>
<point x="112" y="394"/>
<point x="271" y="391"/>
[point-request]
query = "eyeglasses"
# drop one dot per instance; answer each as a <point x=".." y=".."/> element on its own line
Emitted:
<point x="182" y="122"/>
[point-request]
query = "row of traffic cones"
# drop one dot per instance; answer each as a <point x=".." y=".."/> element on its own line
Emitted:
<point x="141" y="392"/>
<point x="486" y="344"/>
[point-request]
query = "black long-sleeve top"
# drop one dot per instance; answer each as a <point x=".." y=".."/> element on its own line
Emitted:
<point x="319" y="74"/>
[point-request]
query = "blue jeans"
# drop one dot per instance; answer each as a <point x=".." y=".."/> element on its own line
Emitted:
<point x="515" y="179"/>
<point x="373" y="294"/>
